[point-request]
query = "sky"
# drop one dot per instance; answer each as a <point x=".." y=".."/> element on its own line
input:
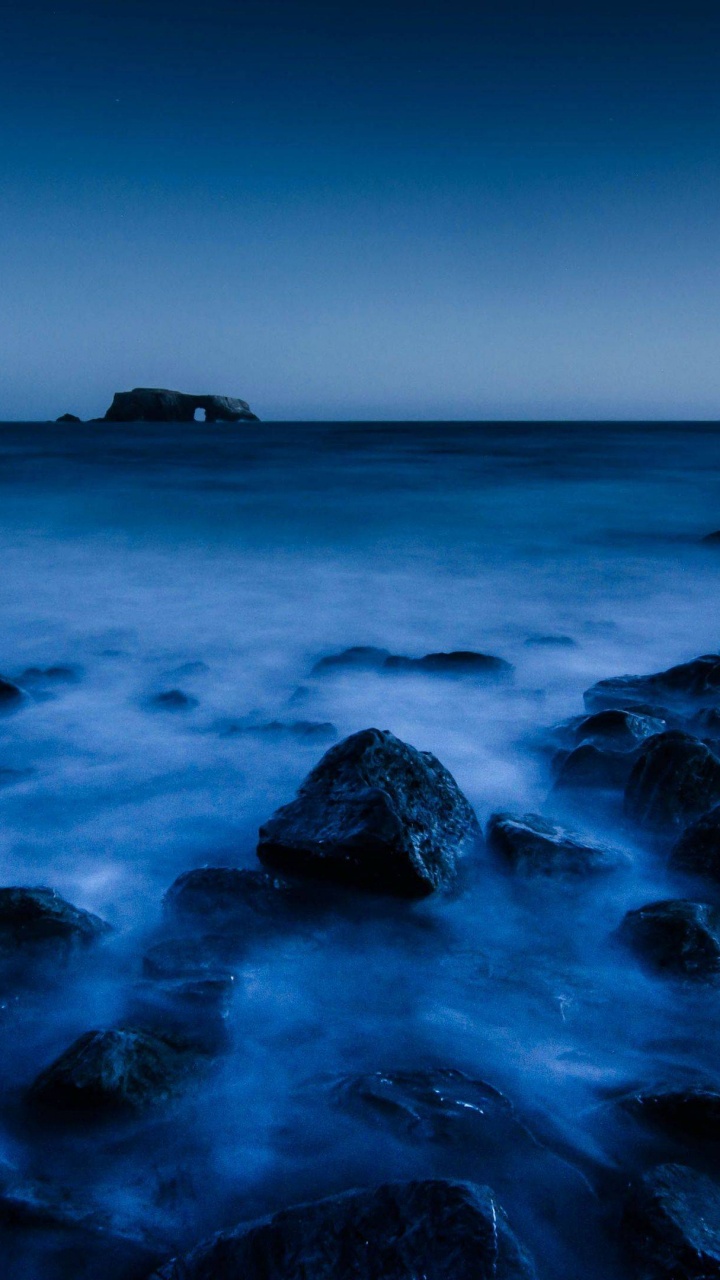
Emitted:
<point x="362" y="211"/>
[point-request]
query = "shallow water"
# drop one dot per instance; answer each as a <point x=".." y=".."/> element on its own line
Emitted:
<point x="224" y="562"/>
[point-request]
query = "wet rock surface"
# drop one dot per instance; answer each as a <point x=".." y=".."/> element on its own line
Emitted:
<point x="532" y="845"/>
<point x="39" y="922"/>
<point x="376" y="814"/>
<point x="686" y="1112"/>
<point x="108" y="1072"/>
<point x="697" y="851"/>
<point x="687" y="685"/>
<point x="591" y="766"/>
<point x="437" y="1229"/>
<point x="618" y="730"/>
<point x="672" y="1225"/>
<point x="455" y="663"/>
<point x="674" y="779"/>
<point x="236" y="895"/>
<point x="675" y="937"/>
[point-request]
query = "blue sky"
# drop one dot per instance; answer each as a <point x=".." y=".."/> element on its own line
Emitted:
<point x="362" y="211"/>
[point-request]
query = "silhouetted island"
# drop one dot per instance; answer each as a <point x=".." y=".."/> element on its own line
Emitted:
<point x="153" y="404"/>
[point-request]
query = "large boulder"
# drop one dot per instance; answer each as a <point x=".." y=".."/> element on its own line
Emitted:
<point x="458" y="662"/>
<point x="674" y="779"/>
<point x="690" y="1113"/>
<point x="154" y="404"/>
<point x="697" y="851"/>
<point x="435" y="1229"/>
<point x="105" y="1072"/>
<point x="691" y="684"/>
<point x="672" y="1225"/>
<point x="675" y="936"/>
<point x="376" y="814"/>
<point x="534" y="846"/>
<point x="39" y="922"/>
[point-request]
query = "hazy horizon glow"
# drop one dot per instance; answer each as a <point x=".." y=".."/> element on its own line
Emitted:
<point x="403" y="211"/>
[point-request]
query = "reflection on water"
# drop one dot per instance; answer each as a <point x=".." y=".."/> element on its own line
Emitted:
<point x="222" y="563"/>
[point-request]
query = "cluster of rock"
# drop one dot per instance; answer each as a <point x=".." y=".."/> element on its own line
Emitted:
<point x="379" y="817"/>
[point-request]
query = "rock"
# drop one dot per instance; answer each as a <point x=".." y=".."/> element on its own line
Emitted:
<point x="533" y="846"/>
<point x="42" y="674"/>
<point x="104" y="1072"/>
<point x="11" y="695"/>
<point x="593" y="766"/>
<point x="672" y="1225"/>
<point x="712" y="539"/>
<point x="376" y="814"/>
<point x="190" y="1014"/>
<point x="675" y="936"/>
<point x="690" y="1113"/>
<point x="438" y="1105"/>
<point x="435" y="1229"/>
<point x="621" y="730"/>
<point x="41" y="922"/>
<point x="697" y="851"/>
<point x="153" y="404"/>
<point x="313" y="729"/>
<point x="68" y="417"/>
<point x="674" y="779"/>
<point x="456" y="663"/>
<point x="551" y="642"/>
<point x="696" y="682"/>
<point x="237" y="895"/>
<point x="174" y="700"/>
<point x="212" y="956"/>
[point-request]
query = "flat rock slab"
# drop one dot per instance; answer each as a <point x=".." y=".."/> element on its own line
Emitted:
<point x="436" y="1229"/>
<point x="672" y="1225"/>
<point x="675" y="936"/>
<point x="533" y="846"/>
<point x="674" y="779"/>
<point x="375" y="814"/>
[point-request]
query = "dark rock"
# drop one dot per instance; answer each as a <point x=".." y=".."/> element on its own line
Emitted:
<point x="672" y="1225"/>
<point x="436" y="1229"/>
<point x="706" y="724"/>
<point x="712" y="539"/>
<point x="189" y="1014"/>
<point x="593" y="766"/>
<point x="551" y="642"/>
<point x="11" y="695"/>
<point x="674" y="779"/>
<point x="68" y="417"/>
<point x="359" y="658"/>
<point x="174" y="700"/>
<point x="459" y="663"/>
<point x="237" y="895"/>
<point x="533" y="846"/>
<point x="696" y="682"/>
<point x="621" y="730"/>
<point x="59" y="673"/>
<point x="376" y="814"/>
<point x="315" y="729"/>
<point x="40" y="921"/>
<point x="104" y="1072"/>
<point x="675" y="936"/>
<point x="698" y="849"/>
<point x="690" y="1113"/>
<point x="210" y="957"/>
<point x="153" y="404"/>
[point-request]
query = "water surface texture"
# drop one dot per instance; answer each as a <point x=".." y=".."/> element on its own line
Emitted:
<point x="224" y="562"/>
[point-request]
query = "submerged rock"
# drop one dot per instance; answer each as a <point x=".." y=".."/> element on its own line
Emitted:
<point x="209" y="957"/>
<point x="675" y="936"/>
<point x="40" y="921"/>
<point x="174" y="700"/>
<point x="534" y="846"/>
<point x="154" y="404"/>
<point x="672" y="1225"/>
<point x="187" y="1013"/>
<point x="551" y="642"/>
<point x="459" y="662"/>
<point x="698" y="849"/>
<point x="56" y="673"/>
<point x="104" y="1072"/>
<point x="689" y="1113"/>
<point x="11" y="695"/>
<point x="376" y="814"/>
<point x="674" y="779"/>
<point x="237" y="895"/>
<point x="435" y="1229"/>
<point x="305" y="729"/>
<point x="696" y="682"/>
<point x="361" y="657"/>
<point x="712" y="539"/>
<point x="593" y="766"/>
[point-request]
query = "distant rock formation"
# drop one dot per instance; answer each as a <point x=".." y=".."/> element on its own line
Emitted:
<point x="68" y="417"/>
<point x="153" y="404"/>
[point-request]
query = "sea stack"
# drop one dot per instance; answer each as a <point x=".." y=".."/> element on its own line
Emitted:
<point x="154" y="404"/>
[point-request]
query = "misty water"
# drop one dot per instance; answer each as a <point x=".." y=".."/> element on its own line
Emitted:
<point x="224" y="562"/>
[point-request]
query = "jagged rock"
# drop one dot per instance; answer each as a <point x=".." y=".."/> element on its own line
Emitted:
<point x="698" y="849"/>
<point x="376" y="814"/>
<point x="534" y="846"/>
<point x="593" y="766"/>
<point x="436" y="1229"/>
<point x="68" y="417"/>
<point x="620" y="730"/>
<point x="104" y="1072"/>
<point x="690" y="1112"/>
<point x="10" y="694"/>
<point x="237" y="895"/>
<point x="675" y="936"/>
<point x="40" y="922"/>
<point x="456" y="663"/>
<point x="209" y="957"/>
<point x="674" y="779"/>
<point x="154" y="404"/>
<point x="696" y="682"/>
<point x="174" y="700"/>
<point x="672" y="1225"/>
<point x="438" y="1105"/>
